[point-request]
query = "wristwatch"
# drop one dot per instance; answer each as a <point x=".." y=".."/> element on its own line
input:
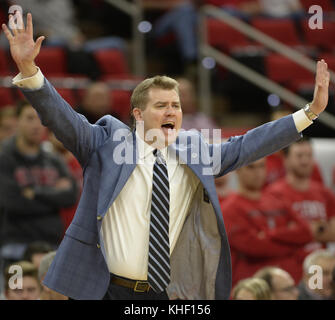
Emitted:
<point x="310" y="114"/>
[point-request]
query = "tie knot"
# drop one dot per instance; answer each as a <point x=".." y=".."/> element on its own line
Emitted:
<point x="160" y="159"/>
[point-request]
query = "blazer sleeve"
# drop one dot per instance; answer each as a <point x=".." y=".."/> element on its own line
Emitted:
<point x="255" y="144"/>
<point x="70" y="127"/>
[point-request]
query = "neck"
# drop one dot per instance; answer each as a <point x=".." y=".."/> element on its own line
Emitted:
<point x="26" y="148"/>
<point x="298" y="183"/>
<point x="250" y="194"/>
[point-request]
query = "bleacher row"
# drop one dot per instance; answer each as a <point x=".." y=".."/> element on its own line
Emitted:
<point x="315" y="43"/>
<point x="318" y="43"/>
<point x="53" y="63"/>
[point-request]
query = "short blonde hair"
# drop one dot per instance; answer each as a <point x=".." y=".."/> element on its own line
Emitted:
<point x="139" y="97"/>
<point x="258" y="287"/>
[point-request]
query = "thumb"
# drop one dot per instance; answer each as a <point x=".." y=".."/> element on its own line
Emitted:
<point x="38" y="44"/>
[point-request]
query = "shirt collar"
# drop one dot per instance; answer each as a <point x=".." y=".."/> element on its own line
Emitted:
<point x="145" y="150"/>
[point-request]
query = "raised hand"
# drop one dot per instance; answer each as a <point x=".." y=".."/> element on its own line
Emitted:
<point x="23" y="48"/>
<point x="320" y="99"/>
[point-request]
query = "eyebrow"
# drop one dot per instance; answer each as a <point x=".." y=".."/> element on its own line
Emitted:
<point x="165" y="102"/>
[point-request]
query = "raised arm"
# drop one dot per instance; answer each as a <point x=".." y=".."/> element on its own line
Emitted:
<point x="71" y="128"/>
<point x="272" y="136"/>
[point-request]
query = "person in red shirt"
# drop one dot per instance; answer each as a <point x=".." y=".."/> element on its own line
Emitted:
<point x="262" y="230"/>
<point x="311" y="200"/>
<point x="275" y="167"/>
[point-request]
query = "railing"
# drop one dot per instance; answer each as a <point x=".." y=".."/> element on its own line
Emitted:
<point x="136" y="12"/>
<point x="206" y="50"/>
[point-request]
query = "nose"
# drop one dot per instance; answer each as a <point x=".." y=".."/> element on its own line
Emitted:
<point x="170" y="110"/>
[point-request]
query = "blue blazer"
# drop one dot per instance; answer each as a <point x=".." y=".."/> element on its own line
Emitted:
<point x="200" y="262"/>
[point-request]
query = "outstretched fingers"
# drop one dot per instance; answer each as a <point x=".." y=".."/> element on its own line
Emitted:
<point x="7" y="32"/>
<point x="322" y="74"/>
<point x="30" y="28"/>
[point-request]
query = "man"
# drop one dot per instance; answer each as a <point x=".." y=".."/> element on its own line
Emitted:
<point x="280" y="282"/>
<point x="275" y="167"/>
<point x="8" y="123"/>
<point x="192" y="118"/>
<point x="262" y="231"/>
<point x="111" y="250"/>
<point x="34" y="185"/>
<point x="311" y="200"/>
<point x="96" y="102"/>
<point x="30" y="288"/>
<point x="311" y="287"/>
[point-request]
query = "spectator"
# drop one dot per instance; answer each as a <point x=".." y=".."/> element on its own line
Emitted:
<point x="252" y="289"/>
<point x="35" y="252"/>
<point x="275" y="167"/>
<point x="34" y="185"/>
<point x="261" y="230"/>
<point x="181" y="19"/>
<point x="222" y="187"/>
<point x="309" y="288"/>
<point x="192" y="118"/>
<point x="311" y="200"/>
<point x="76" y="171"/>
<point x="96" y="102"/>
<point x="48" y="294"/>
<point x="30" y="289"/>
<point x="280" y="282"/>
<point x="8" y="123"/>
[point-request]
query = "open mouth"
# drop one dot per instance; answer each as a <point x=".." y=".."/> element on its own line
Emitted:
<point x="168" y="125"/>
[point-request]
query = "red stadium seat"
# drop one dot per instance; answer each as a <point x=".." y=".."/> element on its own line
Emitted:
<point x="223" y="36"/>
<point x="121" y="103"/>
<point x="69" y="96"/>
<point x="320" y="38"/>
<point x="52" y="61"/>
<point x="111" y="62"/>
<point x="285" y="71"/>
<point x="4" y="63"/>
<point x="282" y="30"/>
<point x="6" y="97"/>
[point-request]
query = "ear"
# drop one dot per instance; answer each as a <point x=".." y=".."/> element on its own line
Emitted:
<point x="137" y="114"/>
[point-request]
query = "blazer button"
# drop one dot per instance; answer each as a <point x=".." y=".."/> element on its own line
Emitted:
<point x="99" y="217"/>
<point x="98" y="246"/>
<point x="194" y="155"/>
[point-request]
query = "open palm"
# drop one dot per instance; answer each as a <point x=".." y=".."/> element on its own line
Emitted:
<point x="320" y="99"/>
<point x="23" y="48"/>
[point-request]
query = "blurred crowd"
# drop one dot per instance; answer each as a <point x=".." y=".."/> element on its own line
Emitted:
<point x="279" y="217"/>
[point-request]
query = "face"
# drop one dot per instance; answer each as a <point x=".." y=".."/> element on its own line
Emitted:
<point x="31" y="290"/>
<point x="187" y="96"/>
<point x="97" y="99"/>
<point x="37" y="258"/>
<point x="283" y="287"/>
<point x="252" y="176"/>
<point x="30" y="128"/>
<point x="244" y="294"/>
<point x="161" y="118"/>
<point x="299" y="160"/>
<point x="327" y="265"/>
<point x="7" y="127"/>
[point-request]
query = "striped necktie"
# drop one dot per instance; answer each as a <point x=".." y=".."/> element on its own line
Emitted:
<point x="159" y="244"/>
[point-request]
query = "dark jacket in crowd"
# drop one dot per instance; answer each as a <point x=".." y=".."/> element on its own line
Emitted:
<point x="24" y="220"/>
